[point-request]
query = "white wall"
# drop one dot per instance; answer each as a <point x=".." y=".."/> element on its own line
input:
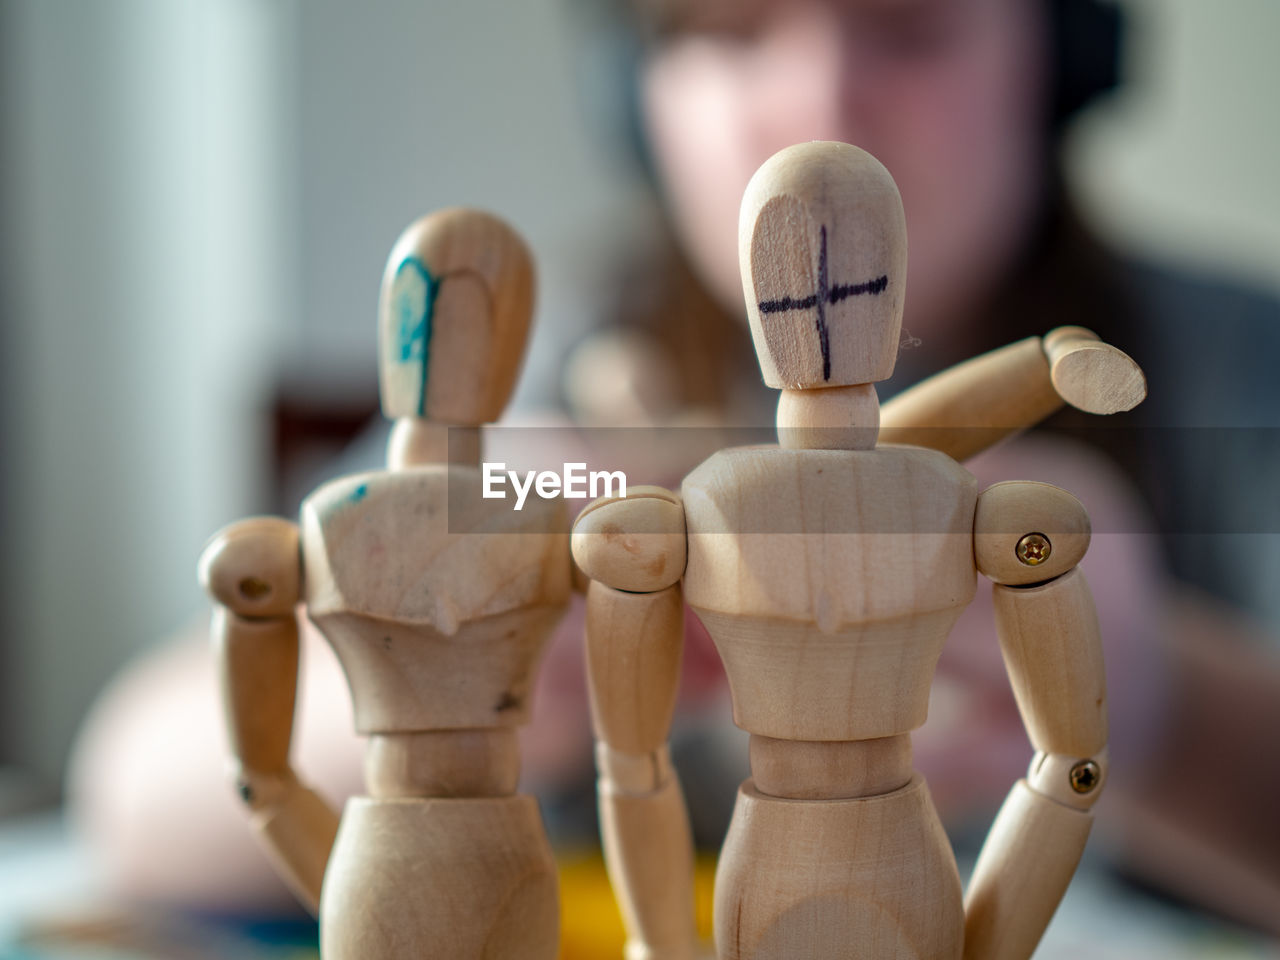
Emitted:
<point x="1186" y="164"/>
<point x="144" y="162"/>
<point x="406" y="106"/>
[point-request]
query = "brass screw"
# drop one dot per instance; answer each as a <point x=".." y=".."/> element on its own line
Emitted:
<point x="1085" y="776"/>
<point x="1034" y="549"/>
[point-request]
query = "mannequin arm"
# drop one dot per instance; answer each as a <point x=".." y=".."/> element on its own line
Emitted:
<point x="1052" y="649"/>
<point x="252" y="571"/>
<point x="634" y="551"/>
<point x="975" y="404"/>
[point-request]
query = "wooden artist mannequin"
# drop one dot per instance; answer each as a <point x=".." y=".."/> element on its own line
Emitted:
<point x="438" y="603"/>
<point x="828" y="571"/>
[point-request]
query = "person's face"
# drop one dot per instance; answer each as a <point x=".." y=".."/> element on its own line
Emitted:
<point x="948" y="94"/>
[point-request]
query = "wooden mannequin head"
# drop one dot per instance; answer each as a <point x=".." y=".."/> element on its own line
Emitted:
<point x="453" y="317"/>
<point x="822" y="245"/>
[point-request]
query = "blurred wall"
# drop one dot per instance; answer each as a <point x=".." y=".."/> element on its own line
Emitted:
<point x="1184" y="166"/>
<point x="201" y="193"/>
<point x="142" y="163"/>
<point x="406" y="106"/>
<point x="198" y="193"/>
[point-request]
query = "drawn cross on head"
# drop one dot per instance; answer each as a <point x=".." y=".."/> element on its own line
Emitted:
<point x="825" y="295"/>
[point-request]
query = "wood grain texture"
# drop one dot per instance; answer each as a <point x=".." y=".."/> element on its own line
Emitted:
<point x="258" y="672"/>
<point x="297" y="827"/>
<point x="423" y="546"/>
<point x="443" y="763"/>
<point x="975" y="404"/>
<point x="635" y="544"/>
<point x="454" y="878"/>
<point x="866" y="879"/>
<point x="453" y="317"/>
<point x="438" y="603"/>
<point x="634" y="643"/>
<point x="252" y="570"/>
<point x="1011" y="510"/>
<point x="258" y="665"/>
<point x="1026" y="863"/>
<point x="648" y="849"/>
<point x="830" y="769"/>
<point x="829" y="580"/>
<point x="475" y="597"/>
<point x="415" y="442"/>
<point x="829" y="571"/>
<point x="1053" y="651"/>
<point x="253" y="567"/>
<point x="837" y="418"/>
<point x="633" y="651"/>
<point x="823" y="221"/>
<point x="1091" y="375"/>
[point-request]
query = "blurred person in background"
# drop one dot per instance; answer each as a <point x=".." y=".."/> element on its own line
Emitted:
<point x="965" y="102"/>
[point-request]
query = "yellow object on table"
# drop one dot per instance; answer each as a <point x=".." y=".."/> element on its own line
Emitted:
<point x="590" y="925"/>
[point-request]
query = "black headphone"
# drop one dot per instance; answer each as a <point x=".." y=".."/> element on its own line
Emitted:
<point x="1086" y="38"/>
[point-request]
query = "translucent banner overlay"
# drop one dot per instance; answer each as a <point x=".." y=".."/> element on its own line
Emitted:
<point x="1171" y="481"/>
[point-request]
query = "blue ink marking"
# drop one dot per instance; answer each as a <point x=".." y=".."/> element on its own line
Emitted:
<point x="359" y="493"/>
<point x="415" y="302"/>
<point x="826" y="294"/>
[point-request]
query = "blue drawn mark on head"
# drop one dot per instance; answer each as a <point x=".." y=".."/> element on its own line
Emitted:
<point x="359" y="493"/>
<point x="413" y="294"/>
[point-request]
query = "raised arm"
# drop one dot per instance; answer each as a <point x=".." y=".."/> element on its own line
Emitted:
<point x="1028" y="538"/>
<point x="634" y="552"/>
<point x="973" y="405"/>
<point x="252" y="571"/>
